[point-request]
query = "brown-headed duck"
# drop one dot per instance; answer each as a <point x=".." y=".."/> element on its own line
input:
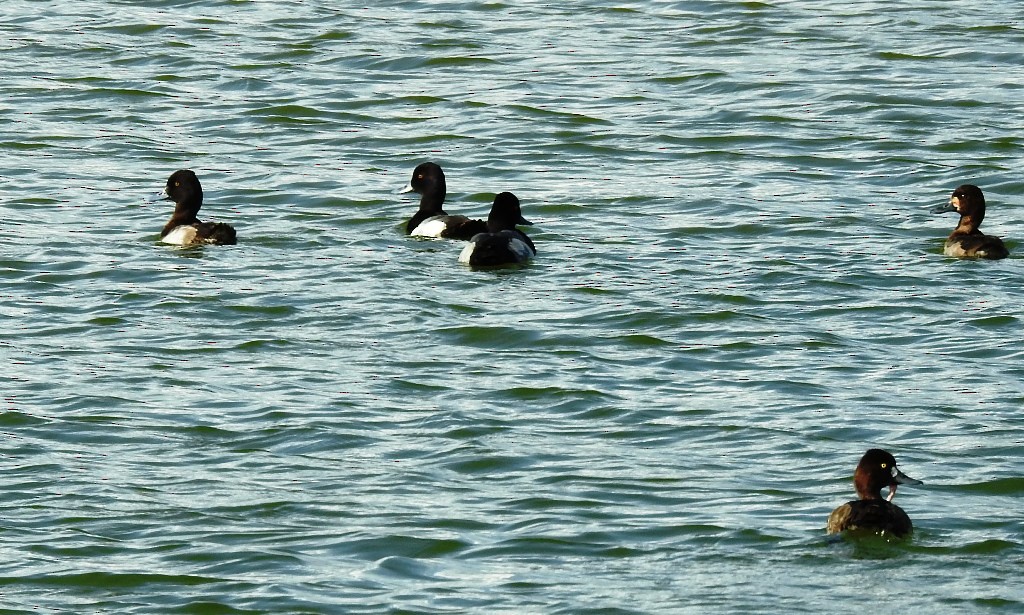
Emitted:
<point x="877" y="469"/>
<point x="966" y="241"/>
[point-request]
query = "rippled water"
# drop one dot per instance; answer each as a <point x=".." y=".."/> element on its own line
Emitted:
<point x="739" y="289"/>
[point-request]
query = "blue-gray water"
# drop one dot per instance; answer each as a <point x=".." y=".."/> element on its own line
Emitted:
<point x="739" y="289"/>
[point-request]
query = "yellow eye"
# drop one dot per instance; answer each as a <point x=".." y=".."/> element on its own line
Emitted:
<point x="883" y="466"/>
<point x="179" y="183"/>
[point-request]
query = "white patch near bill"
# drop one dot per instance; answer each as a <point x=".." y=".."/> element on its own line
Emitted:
<point x="467" y="252"/>
<point x="183" y="235"/>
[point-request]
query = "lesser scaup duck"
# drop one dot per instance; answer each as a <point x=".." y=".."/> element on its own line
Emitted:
<point x="184" y="229"/>
<point x="503" y="243"/>
<point x="877" y="469"/>
<point x="966" y="240"/>
<point x="431" y="220"/>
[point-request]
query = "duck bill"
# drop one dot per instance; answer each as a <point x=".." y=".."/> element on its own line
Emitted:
<point x="945" y="209"/>
<point x="903" y="479"/>
<point x="159" y="196"/>
<point x="408" y="188"/>
<point x="524" y="221"/>
<point x="900" y="479"/>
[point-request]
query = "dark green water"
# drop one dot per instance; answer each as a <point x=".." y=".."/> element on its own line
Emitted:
<point x="739" y="289"/>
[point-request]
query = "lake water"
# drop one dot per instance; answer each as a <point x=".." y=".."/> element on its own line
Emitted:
<point x="739" y="289"/>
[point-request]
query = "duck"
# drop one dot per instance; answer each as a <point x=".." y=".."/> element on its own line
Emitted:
<point x="431" y="220"/>
<point x="184" y="228"/>
<point x="503" y="243"/>
<point x="877" y="469"/>
<point x="966" y="241"/>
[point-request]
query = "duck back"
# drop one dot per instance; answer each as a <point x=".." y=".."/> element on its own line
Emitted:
<point x="876" y="516"/>
<point x="963" y="245"/>
<point x="493" y="249"/>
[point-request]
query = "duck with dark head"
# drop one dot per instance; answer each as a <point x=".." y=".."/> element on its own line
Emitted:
<point x="184" y="228"/>
<point x="430" y="219"/>
<point x="966" y="240"/>
<point x="503" y="243"/>
<point x="871" y="513"/>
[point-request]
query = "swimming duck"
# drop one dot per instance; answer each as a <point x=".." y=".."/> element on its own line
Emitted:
<point x="503" y="243"/>
<point x="877" y="469"/>
<point x="431" y="220"/>
<point x="184" y="229"/>
<point x="966" y="240"/>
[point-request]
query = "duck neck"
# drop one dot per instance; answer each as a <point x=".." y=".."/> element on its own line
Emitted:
<point x="430" y="206"/>
<point x="865" y="489"/>
<point x="968" y="226"/>
<point x="871" y="495"/>
<point x="432" y="203"/>
<point x="181" y="216"/>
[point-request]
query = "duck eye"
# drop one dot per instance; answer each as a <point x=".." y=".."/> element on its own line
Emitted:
<point x="885" y="465"/>
<point x="177" y="183"/>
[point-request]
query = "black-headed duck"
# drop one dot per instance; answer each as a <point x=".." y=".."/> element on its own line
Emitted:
<point x="184" y="228"/>
<point x="503" y="243"/>
<point x="431" y="220"/>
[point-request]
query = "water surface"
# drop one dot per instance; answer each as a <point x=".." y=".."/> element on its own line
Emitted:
<point x="739" y="289"/>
